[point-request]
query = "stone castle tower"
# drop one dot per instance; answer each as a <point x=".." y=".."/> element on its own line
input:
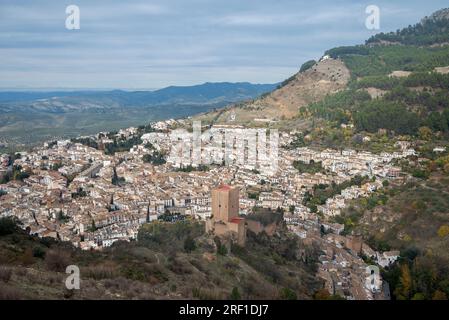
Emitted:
<point x="225" y="220"/>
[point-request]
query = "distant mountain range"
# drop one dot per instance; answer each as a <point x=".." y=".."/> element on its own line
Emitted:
<point x="207" y="93"/>
<point x="29" y="117"/>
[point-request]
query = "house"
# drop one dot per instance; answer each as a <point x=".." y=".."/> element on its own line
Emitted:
<point x="387" y="258"/>
<point x="439" y="149"/>
<point x="373" y="280"/>
<point x="336" y="228"/>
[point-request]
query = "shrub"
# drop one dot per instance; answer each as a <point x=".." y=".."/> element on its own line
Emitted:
<point x="222" y="250"/>
<point x="27" y="257"/>
<point x="38" y="252"/>
<point x="307" y="65"/>
<point x="5" y="273"/>
<point x="288" y="294"/>
<point x="8" y="225"/>
<point x="189" y="245"/>
<point x="57" y="260"/>
<point x="10" y="293"/>
<point x="443" y="231"/>
<point x="235" y="294"/>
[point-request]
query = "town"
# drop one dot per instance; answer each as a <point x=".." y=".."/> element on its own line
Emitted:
<point x="93" y="191"/>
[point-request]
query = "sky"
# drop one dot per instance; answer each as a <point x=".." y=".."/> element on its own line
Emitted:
<point x="136" y="44"/>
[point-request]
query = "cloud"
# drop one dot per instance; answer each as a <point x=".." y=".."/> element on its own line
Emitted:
<point x="321" y="15"/>
<point x="156" y="43"/>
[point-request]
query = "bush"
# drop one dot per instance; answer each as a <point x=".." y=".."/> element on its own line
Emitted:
<point x="38" y="252"/>
<point x="10" y="293"/>
<point x="235" y="294"/>
<point x="443" y="231"/>
<point x="222" y="250"/>
<point x="307" y="65"/>
<point x="189" y="245"/>
<point x="27" y="258"/>
<point x="8" y="225"/>
<point x="57" y="260"/>
<point x="5" y="273"/>
<point x="288" y="294"/>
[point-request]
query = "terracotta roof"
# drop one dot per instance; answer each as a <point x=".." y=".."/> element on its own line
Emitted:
<point x="237" y="220"/>
<point x="224" y="187"/>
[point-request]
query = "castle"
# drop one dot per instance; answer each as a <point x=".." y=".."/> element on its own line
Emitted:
<point x="225" y="221"/>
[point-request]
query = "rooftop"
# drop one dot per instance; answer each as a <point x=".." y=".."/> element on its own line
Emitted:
<point x="224" y="187"/>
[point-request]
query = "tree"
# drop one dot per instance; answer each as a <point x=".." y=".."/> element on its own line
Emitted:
<point x="307" y="65"/>
<point x="93" y="227"/>
<point x="115" y="179"/>
<point x="8" y="225"/>
<point x="288" y="294"/>
<point x="38" y="252"/>
<point x="322" y="294"/>
<point x="222" y="250"/>
<point x="446" y="168"/>
<point x="61" y="217"/>
<point x="156" y="158"/>
<point x="439" y="295"/>
<point x="419" y="296"/>
<point x="235" y="294"/>
<point x="443" y="231"/>
<point x="27" y="257"/>
<point x="403" y="291"/>
<point x="425" y="133"/>
<point x="189" y="244"/>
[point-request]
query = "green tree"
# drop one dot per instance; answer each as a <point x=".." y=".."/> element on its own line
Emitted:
<point x="189" y="245"/>
<point x="419" y="296"/>
<point x="222" y="250"/>
<point x="235" y="294"/>
<point x="8" y="225"/>
<point x="425" y="133"/>
<point x="288" y="294"/>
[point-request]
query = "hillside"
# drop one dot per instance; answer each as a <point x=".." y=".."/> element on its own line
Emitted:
<point x="431" y="31"/>
<point x="32" y="117"/>
<point x="311" y="85"/>
<point x="168" y="261"/>
<point x="207" y="93"/>
<point x="394" y="88"/>
<point x="407" y="75"/>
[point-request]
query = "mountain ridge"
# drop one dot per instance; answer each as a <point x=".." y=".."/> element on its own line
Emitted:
<point x="415" y="49"/>
<point x="32" y="117"/>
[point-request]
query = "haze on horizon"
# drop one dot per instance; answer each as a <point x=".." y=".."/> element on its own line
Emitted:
<point x="154" y="44"/>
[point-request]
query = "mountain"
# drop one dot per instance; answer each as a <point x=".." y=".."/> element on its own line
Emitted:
<point x="389" y="92"/>
<point x="431" y="30"/>
<point x="207" y="93"/>
<point x="31" y="117"/>
<point x="396" y="81"/>
<point x="311" y="85"/>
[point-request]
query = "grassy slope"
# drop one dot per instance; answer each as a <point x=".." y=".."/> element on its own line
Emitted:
<point x="156" y="266"/>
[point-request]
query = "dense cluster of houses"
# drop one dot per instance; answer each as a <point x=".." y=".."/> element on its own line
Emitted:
<point x="70" y="194"/>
